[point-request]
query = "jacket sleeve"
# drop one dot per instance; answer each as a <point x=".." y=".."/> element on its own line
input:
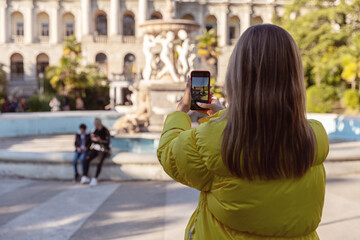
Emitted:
<point x="106" y="140"/>
<point x="76" y="141"/>
<point x="178" y="153"/>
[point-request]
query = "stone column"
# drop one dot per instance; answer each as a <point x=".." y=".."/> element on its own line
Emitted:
<point x="142" y="16"/>
<point x="85" y="15"/>
<point x="201" y="17"/>
<point x="28" y="23"/>
<point x="223" y="26"/>
<point x="78" y="25"/>
<point x="245" y="21"/>
<point x="54" y="25"/>
<point x="3" y="27"/>
<point x="118" y="95"/>
<point x="112" y="95"/>
<point x="114" y="17"/>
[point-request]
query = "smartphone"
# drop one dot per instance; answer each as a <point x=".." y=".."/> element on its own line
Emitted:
<point x="200" y="88"/>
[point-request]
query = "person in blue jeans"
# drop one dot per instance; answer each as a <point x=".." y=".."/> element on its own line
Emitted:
<point x="82" y="145"/>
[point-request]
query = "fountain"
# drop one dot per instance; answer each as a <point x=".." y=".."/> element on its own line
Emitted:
<point x="170" y="54"/>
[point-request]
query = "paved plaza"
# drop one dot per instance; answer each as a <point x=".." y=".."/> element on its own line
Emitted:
<point x="145" y="210"/>
<point x="55" y="210"/>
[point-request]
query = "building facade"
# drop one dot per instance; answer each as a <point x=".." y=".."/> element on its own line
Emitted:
<point x="32" y="32"/>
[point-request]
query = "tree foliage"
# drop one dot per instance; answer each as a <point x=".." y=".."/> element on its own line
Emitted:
<point x="70" y="75"/>
<point x="208" y="49"/>
<point x="327" y="33"/>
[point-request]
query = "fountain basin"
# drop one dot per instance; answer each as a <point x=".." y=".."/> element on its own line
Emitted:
<point x="158" y="26"/>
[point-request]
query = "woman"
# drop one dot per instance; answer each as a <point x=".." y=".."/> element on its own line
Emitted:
<point x="259" y="163"/>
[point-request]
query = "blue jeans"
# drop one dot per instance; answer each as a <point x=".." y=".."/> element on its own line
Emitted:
<point x="82" y="157"/>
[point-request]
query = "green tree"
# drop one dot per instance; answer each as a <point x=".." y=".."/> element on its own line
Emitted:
<point x="325" y="32"/>
<point x="2" y="79"/>
<point x="70" y="76"/>
<point x="208" y="49"/>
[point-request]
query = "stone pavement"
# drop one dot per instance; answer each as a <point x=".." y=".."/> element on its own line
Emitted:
<point x="50" y="210"/>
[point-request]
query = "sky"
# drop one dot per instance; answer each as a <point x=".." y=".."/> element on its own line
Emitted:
<point x="200" y="81"/>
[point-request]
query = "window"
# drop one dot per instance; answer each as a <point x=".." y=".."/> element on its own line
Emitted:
<point x="101" y="24"/>
<point x="188" y="17"/>
<point x="101" y="61"/>
<point x="210" y="22"/>
<point x="17" y="24"/>
<point x="256" y="20"/>
<point x="42" y="61"/>
<point x="43" y="26"/>
<point x="69" y="29"/>
<point x="44" y="29"/>
<point x="128" y="26"/>
<point x="234" y="27"/>
<point x="20" y="29"/>
<point x="129" y="64"/>
<point x="155" y="15"/>
<point x="16" y="67"/>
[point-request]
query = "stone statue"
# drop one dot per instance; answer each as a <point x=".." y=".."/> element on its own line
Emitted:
<point x="192" y="57"/>
<point x="149" y="42"/>
<point x="183" y="51"/>
<point x="166" y="55"/>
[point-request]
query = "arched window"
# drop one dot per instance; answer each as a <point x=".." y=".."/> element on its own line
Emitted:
<point x="101" y="61"/>
<point x="156" y="15"/>
<point x="129" y="64"/>
<point x="234" y="28"/>
<point x="188" y="16"/>
<point x="42" y="61"/>
<point x="101" y="24"/>
<point x="256" y="20"/>
<point x="17" y="24"/>
<point x="210" y="22"/>
<point x="128" y="24"/>
<point x="43" y="27"/>
<point x="16" y="67"/>
<point x="68" y="24"/>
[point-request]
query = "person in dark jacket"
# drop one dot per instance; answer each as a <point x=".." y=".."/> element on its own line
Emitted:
<point x="99" y="148"/>
<point x="82" y="145"/>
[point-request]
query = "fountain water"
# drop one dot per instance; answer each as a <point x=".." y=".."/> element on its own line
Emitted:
<point x="169" y="52"/>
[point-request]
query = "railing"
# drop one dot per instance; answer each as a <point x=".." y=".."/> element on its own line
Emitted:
<point x="18" y="38"/>
<point x="100" y="39"/>
<point x="129" y="39"/>
<point x="43" y="39"/>
<point x="17" y="77"/>
<point x="127" y="77"/>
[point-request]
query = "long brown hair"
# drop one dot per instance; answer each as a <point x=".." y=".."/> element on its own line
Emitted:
<point x="267" y="135"/>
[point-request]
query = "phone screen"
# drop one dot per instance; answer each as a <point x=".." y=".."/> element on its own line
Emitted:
<point x="199" y="89"/>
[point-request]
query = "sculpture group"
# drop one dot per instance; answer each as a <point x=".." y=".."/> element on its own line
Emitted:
<point x="168" y="53"/>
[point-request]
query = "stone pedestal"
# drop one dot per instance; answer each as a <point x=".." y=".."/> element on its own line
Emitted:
<point x="164" y="97"/>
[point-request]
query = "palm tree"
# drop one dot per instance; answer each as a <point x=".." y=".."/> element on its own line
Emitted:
<point x="70" y="76"/>
<point x="208" y="50"/>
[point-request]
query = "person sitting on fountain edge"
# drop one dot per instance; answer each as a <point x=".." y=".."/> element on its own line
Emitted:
<point x="100" y="148"/>
<point x="82" y="144"/>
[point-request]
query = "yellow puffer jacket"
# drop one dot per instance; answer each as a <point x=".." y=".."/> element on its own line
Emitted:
<point x="232" y="208"/>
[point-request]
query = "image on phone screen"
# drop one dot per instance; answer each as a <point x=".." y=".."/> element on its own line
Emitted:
<point x="199" y="91"/>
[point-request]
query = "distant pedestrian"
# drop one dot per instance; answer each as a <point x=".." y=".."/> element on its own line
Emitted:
<point x="128" y="100"/>
<point x="79" y="103"/>
<point x="99" y="148"/>
<point x="22" y="106"/>
<point x="54" y="104"/>
<point x="10" y="104"/>
<point x="82" y="144"/>
<point x="66" y="104"/>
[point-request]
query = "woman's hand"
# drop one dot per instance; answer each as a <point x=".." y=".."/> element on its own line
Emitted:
<point x="211" y="108"/>
<point x="185" y="103"/>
